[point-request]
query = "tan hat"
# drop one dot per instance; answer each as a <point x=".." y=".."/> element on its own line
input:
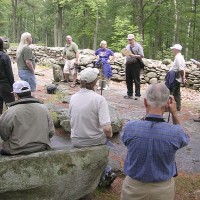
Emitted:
<point x="177" y="46"/>
<point x="89" y="74"/>
<point x="130" y="37"/>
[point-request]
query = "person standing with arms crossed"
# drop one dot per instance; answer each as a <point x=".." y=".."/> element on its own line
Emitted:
<point x="71" y="55"/>
<point x="133" y="67"/>
<point x="26" y="61"/>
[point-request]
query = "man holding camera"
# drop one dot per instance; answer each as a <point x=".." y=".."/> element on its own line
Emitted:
<point x="152" y="143"/>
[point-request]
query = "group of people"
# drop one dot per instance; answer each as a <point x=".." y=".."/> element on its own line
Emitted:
<point x="26" y="126"/>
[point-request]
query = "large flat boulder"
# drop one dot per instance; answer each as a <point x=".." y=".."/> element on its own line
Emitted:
<point x="57" y="174"/>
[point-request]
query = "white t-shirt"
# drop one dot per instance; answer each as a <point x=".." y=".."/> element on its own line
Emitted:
<point x="179" y="65"/>
<point x="88" y="114"/>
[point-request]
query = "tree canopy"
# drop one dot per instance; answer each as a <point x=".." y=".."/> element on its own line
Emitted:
<point x="157" y="24"/>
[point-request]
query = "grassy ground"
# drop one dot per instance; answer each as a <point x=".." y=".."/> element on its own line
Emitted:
<point x="187" y="188"/>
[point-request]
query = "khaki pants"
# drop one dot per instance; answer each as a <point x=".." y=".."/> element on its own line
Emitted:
<point x="136" y="190"/>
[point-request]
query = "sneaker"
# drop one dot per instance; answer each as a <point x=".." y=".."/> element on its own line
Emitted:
<point x="107" y="177"/>
<point x="128" y="97"/>
<point x="99" y="88"/>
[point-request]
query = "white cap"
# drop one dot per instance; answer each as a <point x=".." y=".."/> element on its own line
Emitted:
<point x="21" y="87"/>
<point x="177" y="46"/>
<point x="130" y="37"/>
<point x="89" y="74"/>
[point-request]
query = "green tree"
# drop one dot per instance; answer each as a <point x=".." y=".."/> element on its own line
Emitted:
<point x="121" y="28"/>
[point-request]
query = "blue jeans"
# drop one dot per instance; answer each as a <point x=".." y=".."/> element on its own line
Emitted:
<point x="28" y="76"/>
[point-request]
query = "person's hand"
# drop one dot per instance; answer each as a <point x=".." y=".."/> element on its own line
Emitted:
<point x="184" y="81"/>
<point x="172" y="105"/>
<point x="132" y="55"/>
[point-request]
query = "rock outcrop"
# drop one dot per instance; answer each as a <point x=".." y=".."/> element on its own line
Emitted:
<point x="57" y="174"/>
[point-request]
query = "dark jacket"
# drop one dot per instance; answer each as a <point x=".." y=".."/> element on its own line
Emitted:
<point x="6" y="73"/>
<point x="170" y="79"/>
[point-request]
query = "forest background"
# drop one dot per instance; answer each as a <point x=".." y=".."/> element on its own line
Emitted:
<point x="157" y="24"/>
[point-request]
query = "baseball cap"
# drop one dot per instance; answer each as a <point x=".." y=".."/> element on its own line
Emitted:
<point x="130" y="36"/>
<point x="177" y="46"/>
<point x="89" y="74"/>
<point x="21" y="87"/>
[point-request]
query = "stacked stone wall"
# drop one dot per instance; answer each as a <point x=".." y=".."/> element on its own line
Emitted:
<point x="153" y="72"/>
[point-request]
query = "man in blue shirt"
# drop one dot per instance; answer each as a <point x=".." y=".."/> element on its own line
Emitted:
<point x="152" y="144"/>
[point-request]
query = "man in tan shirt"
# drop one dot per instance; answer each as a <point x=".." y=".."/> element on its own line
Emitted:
<point x="71" y="54"/>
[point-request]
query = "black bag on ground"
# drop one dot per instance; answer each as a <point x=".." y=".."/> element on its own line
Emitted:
<point x="51" y="89"/>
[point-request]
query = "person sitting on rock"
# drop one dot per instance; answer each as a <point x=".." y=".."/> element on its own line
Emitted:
<point x="105" y="55"/>
<point x="26" y="126"/>
<point x="89" y="114"/>
<point x="90" y="119"/>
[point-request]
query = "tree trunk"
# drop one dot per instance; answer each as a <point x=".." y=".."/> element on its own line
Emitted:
<point x="14" y="16"/>
<point x="55" y="32"/>
<point x="176" y="24"/>
<point x="141" y="28"/>
<point x="34" y="32"/>
<point x="60" y="25"/>
<point x="194" y="26"/>
<point x="96" y="31"/>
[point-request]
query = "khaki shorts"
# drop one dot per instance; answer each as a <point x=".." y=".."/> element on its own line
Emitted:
<point x="69" y="67"/>
<point x="137" y="190"/>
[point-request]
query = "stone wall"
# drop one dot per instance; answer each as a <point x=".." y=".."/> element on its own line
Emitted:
<point x="154" y="71"/>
